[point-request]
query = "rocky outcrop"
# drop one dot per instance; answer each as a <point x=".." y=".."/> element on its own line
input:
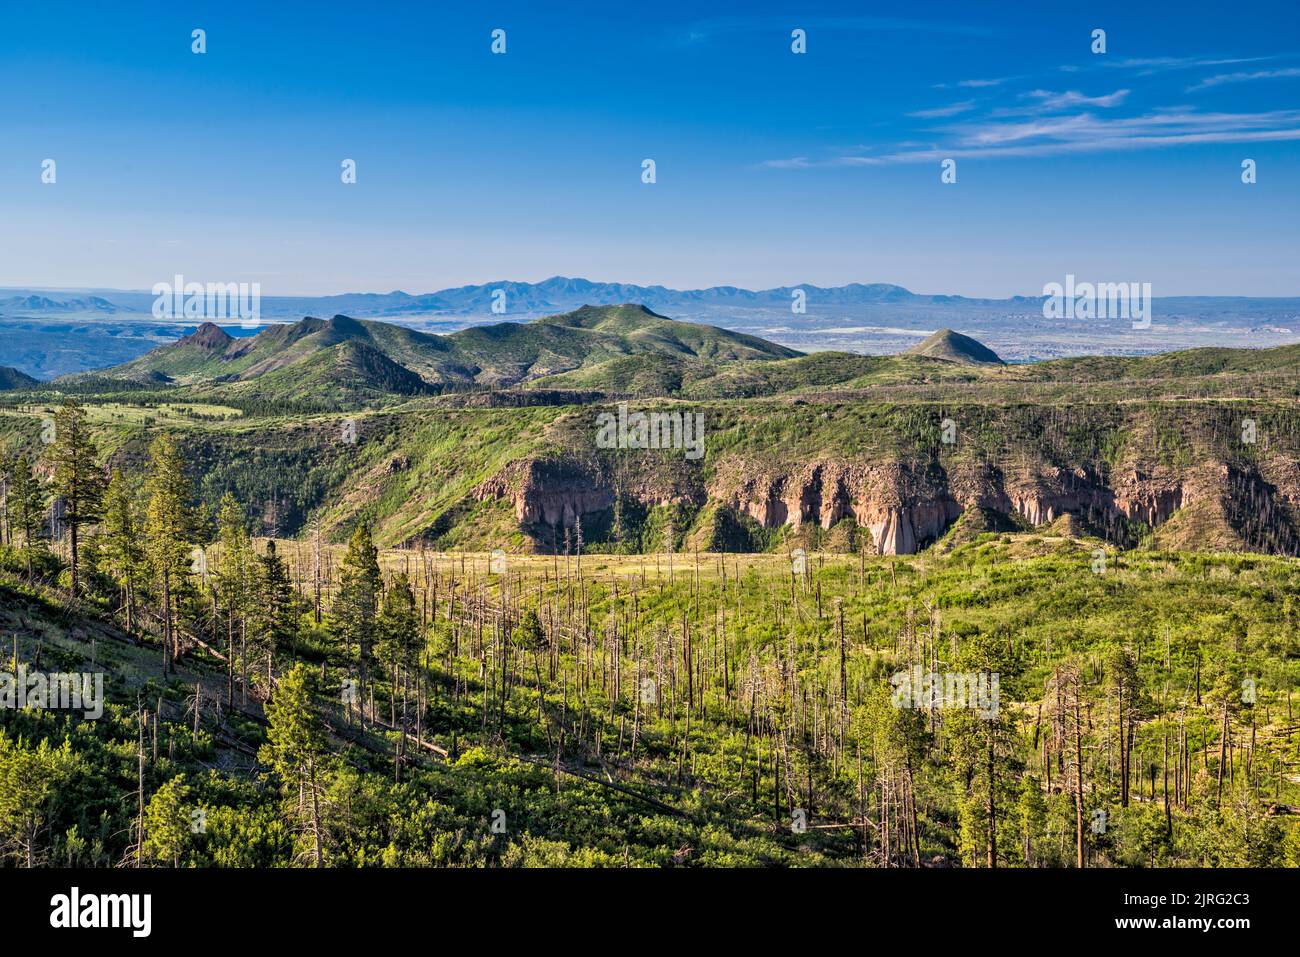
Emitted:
<point x="548" y="493"/>
<point x="905" y="505"/>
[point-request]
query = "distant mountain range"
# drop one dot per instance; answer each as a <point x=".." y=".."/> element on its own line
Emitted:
<point x="557" y="294"/>
<point x="563" y="293"/>
<point x="560" y="292"/>
<point x="35" y="304"/>
<point x="90" y="328"/>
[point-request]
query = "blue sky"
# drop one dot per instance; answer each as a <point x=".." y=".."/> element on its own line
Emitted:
<point x="773" y="168"/>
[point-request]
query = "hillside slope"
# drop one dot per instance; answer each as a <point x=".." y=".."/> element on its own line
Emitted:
<point x="11" y="378"/>
<point x="954" y="347"/>
<point x="288" y="360"/>
<point x="884" y="453"/>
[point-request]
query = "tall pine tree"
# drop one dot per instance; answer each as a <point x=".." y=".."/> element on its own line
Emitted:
<point x="78" y="480"/>
<point x="234" y="583"/>
<point x="28" y="509"/>
<point x="356" y="604"/>
<point x="6" y="483"/>
<point x="274" y="616"/>
<point x="296" y="751"/>
<point x="399" y="637"/>
<point x="169" y="531"/>
<point x="121" y="552"/>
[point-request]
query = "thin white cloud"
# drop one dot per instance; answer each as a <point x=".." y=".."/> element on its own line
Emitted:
<point x="794" y="162"/>
<point x="1243" y="77"/>
<point x="942" y="111"/>
<point x="1081" y="133"/>
<point x="1046" y="122"/>
<point x="974" y="84"/>
<point x="1049" y="100"/>
<point x="1162" y="64"/>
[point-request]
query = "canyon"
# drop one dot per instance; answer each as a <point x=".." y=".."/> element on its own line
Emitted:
<point x="907" y="506"/>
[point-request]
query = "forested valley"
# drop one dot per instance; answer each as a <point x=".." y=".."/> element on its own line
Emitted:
<point x="321" y="703"/>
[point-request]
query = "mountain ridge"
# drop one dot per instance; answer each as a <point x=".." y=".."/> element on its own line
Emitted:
<point x="14" y="379"/>
<point x="564" y="293"/>
<point x="871" y="318"/>
<point x="499" y="355"/>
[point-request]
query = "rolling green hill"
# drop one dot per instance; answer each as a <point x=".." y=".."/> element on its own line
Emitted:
<point x="951" y="366"/>
<point x="1169" y="365"/>
<point x="352" y="372"/>
<point x="647" y="331"/>
<point x="342" y="359"/>
<point x="689" y="377"/>
<point x="954" y="347"/>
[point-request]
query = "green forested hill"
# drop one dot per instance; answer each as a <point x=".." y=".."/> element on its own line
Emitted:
<point x="325" y="360"/>
<point x="14" y="379"/>
<point x="629" y="350"/>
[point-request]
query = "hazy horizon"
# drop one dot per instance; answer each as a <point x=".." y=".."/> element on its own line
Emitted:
<point x="270" y="294"/>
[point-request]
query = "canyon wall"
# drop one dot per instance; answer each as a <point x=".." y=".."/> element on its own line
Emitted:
<point x="909" y="505"/>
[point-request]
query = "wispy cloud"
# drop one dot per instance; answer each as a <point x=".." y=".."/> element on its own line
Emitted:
<point x="1146" y="66"/>
<point x="1049" y="100"/>
<point x="942" y="111"/>
<point x="1242" y="77"/>
<point x="794" y="162"/>
<point x="1080" y="133"/>
<point x="975" y="84"/>
<point x="1047" y="122"/>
